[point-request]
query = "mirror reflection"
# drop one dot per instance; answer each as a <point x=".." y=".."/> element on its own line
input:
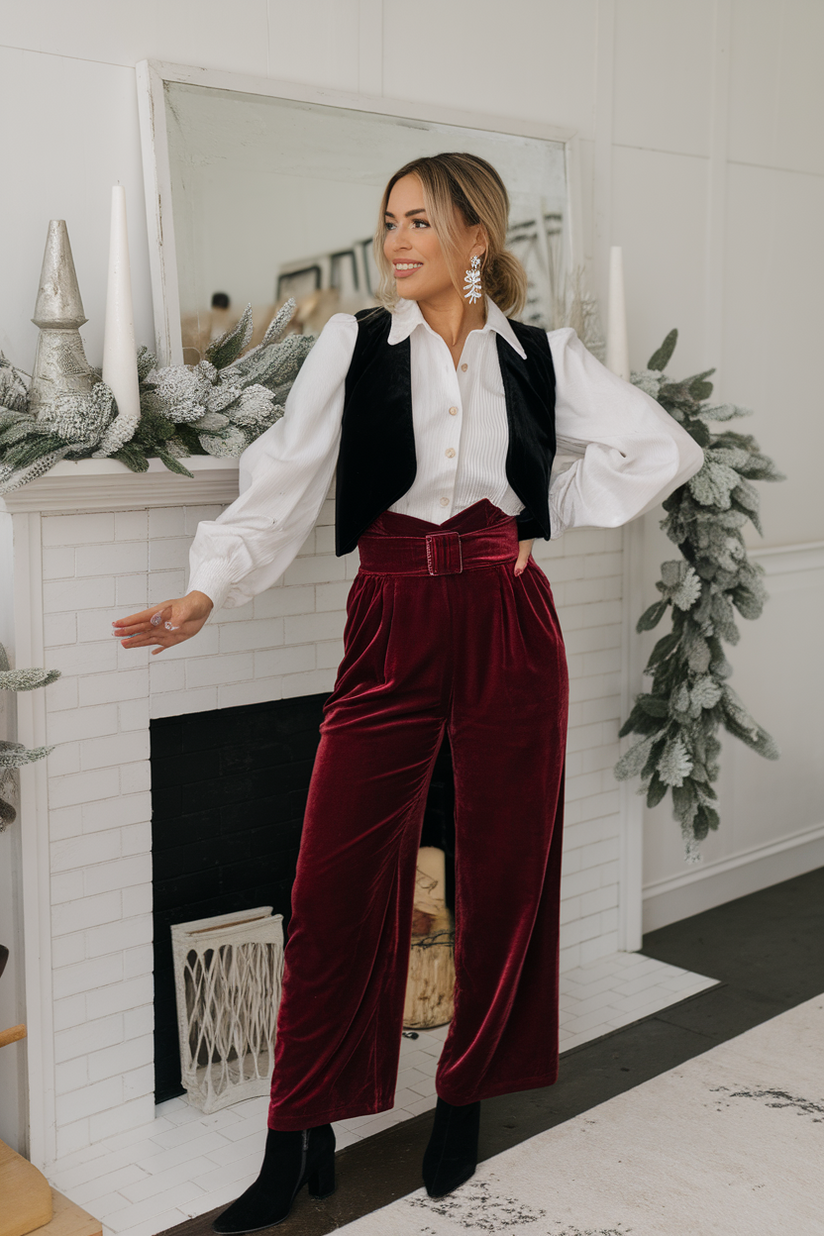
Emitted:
<point x="275" y="198"/>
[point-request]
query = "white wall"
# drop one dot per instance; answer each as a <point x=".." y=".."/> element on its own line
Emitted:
<point x="772" y="815"/>
<point x="725" y="203"/>
<point x="702" y="153"/>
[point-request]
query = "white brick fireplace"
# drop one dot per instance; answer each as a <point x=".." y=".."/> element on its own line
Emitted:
<point x="91" y="542"/>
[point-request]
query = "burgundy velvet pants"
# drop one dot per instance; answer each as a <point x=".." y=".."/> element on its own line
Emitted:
<point x="440" y="634"/>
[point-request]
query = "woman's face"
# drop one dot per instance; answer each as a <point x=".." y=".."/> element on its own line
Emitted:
<point x="422" y="271"/>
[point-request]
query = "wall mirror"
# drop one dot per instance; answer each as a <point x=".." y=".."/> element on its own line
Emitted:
<point x="257" y="191"/>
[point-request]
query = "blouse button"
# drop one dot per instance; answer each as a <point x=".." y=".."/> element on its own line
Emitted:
<point x="453" y="411"/>
<point x="464" y="367"/>
<point x="450" y="454"/>
<point x="444" y="502"/>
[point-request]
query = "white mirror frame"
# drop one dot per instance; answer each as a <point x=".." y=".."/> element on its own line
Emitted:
<point x="151" y="76"/>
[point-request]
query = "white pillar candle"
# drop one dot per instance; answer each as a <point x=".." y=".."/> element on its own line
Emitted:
<point x="617" y="346"/>
<point x="119" y="356"/>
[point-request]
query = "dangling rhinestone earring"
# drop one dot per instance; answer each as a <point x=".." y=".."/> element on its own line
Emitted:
<point x="472" y="281"/>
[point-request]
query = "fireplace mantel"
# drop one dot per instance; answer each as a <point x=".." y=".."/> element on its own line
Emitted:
<point x="108" y="485"/>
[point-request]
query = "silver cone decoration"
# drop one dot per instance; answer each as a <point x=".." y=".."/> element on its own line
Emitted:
<point x="60" y="365"/>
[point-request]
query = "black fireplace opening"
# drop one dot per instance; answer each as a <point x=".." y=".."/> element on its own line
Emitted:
<point x="228" y="795"/>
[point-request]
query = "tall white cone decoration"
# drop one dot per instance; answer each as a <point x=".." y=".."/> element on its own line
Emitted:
<point x="617" y="345"/>
<point x="119" y="356"/>
<point x="60" y="365"/>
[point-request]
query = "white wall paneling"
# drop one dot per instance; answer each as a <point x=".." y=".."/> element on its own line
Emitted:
<point x="601" y="191"/>
<point x="72" y="155"/>
<point x="773" y="275"/>
<point x="370" y="47"/>
<point x="535" y="59"/>
<point x="777" y="88"/>
<point x="717" y="185"/>
<point x="197" y="33"/>
<point x="663" y="102"/>
<point x="659" y="215"/>
<point x="329" y="43"/>
<point x="772" y="813"/>
<point x="713" y="884"/>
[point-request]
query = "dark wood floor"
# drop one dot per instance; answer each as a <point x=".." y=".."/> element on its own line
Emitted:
<point x="766" y="949"/>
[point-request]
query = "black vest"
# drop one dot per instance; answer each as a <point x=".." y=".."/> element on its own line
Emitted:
<point x="377" y="461"/>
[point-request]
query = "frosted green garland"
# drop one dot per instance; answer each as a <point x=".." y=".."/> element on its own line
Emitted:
<point x="214" y="408"/>
<point x="14" y="755"/>
<point x="679" y="719"/>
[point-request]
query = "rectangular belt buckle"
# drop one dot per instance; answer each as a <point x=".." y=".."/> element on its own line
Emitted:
<point x="444" y="555"/>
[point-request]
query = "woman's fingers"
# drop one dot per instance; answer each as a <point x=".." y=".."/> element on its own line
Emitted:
<point x="165" y="624"/>
<point x="148" y="621"/>
<point x="524" y="550"/>
<point x="138" y="620"/>
<point x="159" y="640"/>
<point x="162" y="636"/>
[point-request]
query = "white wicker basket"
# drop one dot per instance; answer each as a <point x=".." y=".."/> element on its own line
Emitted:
<point x="228" y="972"/>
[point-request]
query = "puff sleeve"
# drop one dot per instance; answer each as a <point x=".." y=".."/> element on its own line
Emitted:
<point x="284" y="477"/>
<point x="631" y="453"/>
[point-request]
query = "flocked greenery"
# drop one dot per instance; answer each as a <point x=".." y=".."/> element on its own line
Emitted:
<point x="14" y="755"/>
<point x="679" y="719"/>
<point x="216" y="407"/>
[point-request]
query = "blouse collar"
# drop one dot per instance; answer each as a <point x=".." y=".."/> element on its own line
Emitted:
<point x="407" y="317"/>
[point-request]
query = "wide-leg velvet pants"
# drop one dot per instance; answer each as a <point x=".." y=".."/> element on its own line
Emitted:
<point x="477" y="651"/>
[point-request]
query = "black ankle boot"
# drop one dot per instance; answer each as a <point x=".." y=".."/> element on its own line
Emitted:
<point x="452" y="1154"/>
<point x="291" y="1161"/>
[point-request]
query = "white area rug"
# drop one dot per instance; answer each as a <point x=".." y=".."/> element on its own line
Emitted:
<point x="730" y="1142"/>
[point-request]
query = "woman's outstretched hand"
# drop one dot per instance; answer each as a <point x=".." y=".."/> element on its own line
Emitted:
<point x="166" y="624"/>
<point x="524" y="550"/>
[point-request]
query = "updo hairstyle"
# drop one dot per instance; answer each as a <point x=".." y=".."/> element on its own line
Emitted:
<point x="470" y="185"/>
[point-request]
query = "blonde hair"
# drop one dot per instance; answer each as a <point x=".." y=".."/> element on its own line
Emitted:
<point x="455" y="187"/>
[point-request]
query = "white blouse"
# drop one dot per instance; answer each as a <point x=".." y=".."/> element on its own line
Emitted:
<point x="631" y="453"/>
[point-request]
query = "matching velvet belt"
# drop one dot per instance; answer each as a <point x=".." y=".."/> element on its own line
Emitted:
<point x="447" y="552"/>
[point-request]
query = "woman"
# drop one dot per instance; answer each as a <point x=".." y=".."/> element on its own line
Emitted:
<point x="441" y="416"/>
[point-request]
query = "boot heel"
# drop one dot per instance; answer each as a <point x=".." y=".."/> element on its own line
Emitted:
<point x="322" y="1179"/>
